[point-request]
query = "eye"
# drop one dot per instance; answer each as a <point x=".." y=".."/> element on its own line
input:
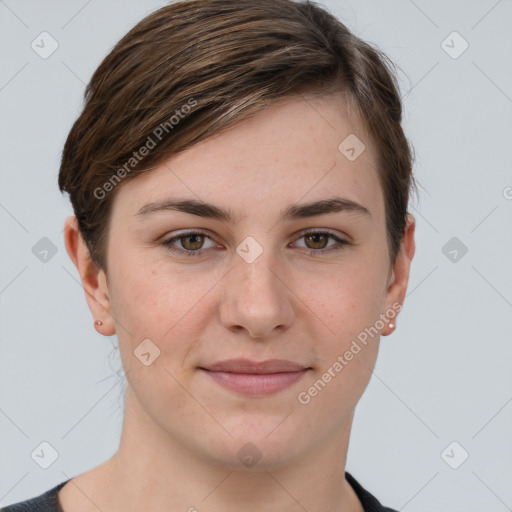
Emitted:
<point x="192" y="243"/>
<point x="317" y="241"/>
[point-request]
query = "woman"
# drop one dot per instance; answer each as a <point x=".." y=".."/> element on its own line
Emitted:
<point x="240" y="181"/>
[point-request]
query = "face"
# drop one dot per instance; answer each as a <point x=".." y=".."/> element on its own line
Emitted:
<point x="289" y="262"/>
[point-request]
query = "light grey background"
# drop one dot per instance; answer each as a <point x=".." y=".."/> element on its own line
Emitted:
<point x="444" y="375"/>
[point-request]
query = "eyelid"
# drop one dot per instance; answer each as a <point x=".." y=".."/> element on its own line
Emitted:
<point x="327" y="231"/>
<point x="186" y="232"/>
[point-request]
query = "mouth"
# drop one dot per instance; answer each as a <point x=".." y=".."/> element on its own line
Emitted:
<point x="255" y="378"/>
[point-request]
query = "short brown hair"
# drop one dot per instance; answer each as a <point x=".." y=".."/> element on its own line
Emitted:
<point x="196" y="67"/>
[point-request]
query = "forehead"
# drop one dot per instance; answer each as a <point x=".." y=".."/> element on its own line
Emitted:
<point x="297" y="149"/>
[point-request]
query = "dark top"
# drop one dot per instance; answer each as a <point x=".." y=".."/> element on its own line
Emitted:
<point x="47" y="502"/>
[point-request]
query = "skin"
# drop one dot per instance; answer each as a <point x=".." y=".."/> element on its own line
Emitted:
<point x="181" y="430"/>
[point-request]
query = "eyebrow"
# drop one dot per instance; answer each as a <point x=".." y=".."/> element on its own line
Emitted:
<point x="293" y="212"/>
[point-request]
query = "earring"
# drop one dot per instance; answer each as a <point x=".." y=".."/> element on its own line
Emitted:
<point x="391" y="325"/>
<point x="98" y="322"/>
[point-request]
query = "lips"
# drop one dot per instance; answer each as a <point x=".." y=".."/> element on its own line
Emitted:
<point x="254" y="367"/>
<point x="253" y="378"/>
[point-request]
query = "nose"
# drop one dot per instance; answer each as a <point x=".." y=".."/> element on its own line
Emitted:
<point x="256" y="298"/>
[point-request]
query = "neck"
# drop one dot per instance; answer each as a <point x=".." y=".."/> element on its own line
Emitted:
<point x="152" y="471"/>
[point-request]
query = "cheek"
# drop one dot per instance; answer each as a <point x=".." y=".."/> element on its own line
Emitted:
<point x="347" y="305"/>
<point x="346" y="345"/>
<point x="168" y="307"/>
<point x="347" y="298"/>
<point x="154" y="298"/>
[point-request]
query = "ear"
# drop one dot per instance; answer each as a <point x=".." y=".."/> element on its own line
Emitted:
<point x="94" y="280"/>
<point x="399" y="278"/>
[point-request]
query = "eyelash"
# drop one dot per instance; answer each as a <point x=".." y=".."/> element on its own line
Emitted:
<point x="311" y="252"/>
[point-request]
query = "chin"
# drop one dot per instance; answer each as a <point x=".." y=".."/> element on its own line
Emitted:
<point x="256" y="449"/>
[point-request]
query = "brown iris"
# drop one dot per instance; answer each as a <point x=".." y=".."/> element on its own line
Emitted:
<point x="197" y="242"/>
<point x="314" y="238"/>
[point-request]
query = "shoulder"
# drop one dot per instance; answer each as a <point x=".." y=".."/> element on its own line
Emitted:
<point x="45" y="502"/>
<point x="369" y="502"/>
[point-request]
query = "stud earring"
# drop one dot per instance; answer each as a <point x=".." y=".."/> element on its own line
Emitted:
<point x="391" y="325"/>
<point x="98" y="322"/>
